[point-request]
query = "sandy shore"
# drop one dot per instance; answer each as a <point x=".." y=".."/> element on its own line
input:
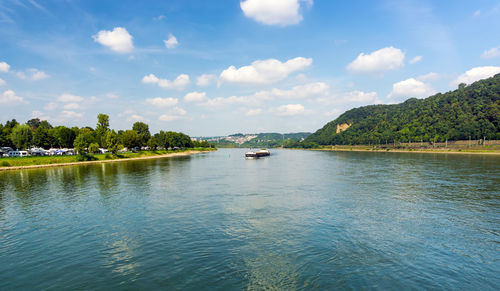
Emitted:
<point x="494" y="153"/>
<point x="186" y="153"/>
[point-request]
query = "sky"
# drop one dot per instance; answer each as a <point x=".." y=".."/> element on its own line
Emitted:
<point x="210" y="68"/>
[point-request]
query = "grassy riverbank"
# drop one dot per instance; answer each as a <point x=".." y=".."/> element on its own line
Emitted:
<point x="491" y="149"/>
<point x="12" y="163"/>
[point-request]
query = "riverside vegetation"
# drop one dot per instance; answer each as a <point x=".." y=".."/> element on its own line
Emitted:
<point x="468" y="113"/>
<point x="88" y="142"/>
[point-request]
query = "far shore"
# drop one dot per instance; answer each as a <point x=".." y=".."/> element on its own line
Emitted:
<point x="494" y="152"/>
<point x="177" y="154"/>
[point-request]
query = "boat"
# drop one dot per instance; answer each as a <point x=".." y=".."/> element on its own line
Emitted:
<point x="251" y="155"/>
<point x="263" y="153"/>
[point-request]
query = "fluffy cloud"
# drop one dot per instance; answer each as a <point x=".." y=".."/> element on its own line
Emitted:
<point x="70" y="115"/>
<point x="476" y="74"/>
<point x="135" y="117"/>
<point x="173" y="114"/>
<point x="171" y="42"/>
<point x="290" y="109"/>
<point x="264" y="71"/>
<point x="68" y="98"/>
<point x="205" y="80"/>
<point x="253" y="112"/>
<point x="415" y="60"/>
<point x="72" y="106"/>
<point x="4" y="67"/>
<point x="162" y="102"/>
<point x="179" y="83"/>
<point x="32" y="74"/>
<point x="2" y="82"/>
<point x="275" y="12"/>
<point x="355" y="96"/>
<point x="379" y="61"/>
<point x="9" y="97"/>
<point x="411" y="88"/>
<point x="429" y="77"/>
<point x="118" y="40"/>
<point x="195" y="97"/>
<point x="491" y="53"/>
<point x="298" y="92"/>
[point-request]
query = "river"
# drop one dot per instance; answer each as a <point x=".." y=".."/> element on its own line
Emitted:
<point x="294" y="220"/>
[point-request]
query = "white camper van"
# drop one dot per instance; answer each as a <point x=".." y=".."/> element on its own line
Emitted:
<point x="18" y="154"/>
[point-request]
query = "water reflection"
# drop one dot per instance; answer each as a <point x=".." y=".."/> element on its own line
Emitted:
<point x="296" y="220"/>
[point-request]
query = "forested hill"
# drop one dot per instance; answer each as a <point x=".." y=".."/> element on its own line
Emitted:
<point x="470" y="111"/>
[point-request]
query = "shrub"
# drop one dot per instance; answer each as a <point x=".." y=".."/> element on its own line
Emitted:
<point x="5" y="164"/>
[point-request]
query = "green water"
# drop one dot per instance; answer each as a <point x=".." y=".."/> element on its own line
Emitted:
<point x="295" y="220"/>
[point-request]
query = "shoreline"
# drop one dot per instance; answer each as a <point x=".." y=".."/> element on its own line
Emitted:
<point x="493" y="153"/>
<point x="186" y="153"/>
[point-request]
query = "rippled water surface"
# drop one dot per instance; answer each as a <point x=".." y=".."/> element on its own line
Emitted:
<point x="295" y="220"/>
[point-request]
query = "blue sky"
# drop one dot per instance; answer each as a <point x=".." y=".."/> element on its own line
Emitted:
<point x="221" y="67"/>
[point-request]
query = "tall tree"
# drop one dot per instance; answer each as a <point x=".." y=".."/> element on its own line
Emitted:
<point x="130" y="139"/>
<point x="21" y="136"/>
<point x="142" y="130"/>
<point x="102" y="129"/>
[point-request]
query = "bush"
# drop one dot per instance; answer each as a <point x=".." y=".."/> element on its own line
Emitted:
<point x="5" y="164"/>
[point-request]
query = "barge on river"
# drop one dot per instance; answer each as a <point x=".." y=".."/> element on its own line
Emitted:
<point x="257" y="154"/>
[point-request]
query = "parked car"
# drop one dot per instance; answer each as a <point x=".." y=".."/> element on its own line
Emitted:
<point x="18" y="154"/>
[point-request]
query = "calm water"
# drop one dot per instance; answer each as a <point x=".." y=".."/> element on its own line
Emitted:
<point x="295" y="220"/>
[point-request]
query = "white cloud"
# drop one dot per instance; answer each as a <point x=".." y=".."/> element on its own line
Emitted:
<point x="264" y="71"/>
<point x="158" y="18"/>
<point x="135" y="117"/>
<point x="9" y="97"/>
<point x="205" y="80"/>
<point x="221" y="101"/>
<point x="179" y="83"/>
<point x="177" y="111"/>
<point x="72" y="106"/>
<point x="171" y="42"/>
<point x="150" y="79"/>
<point x="2" y="82"/>
<point x="415" y="59"/>
<point x="411" y="88"/>
<point x="491" y="53"/>
<point x="4" y="67"/>
<point x="70" y="115"/>
<point x="355" y="96"/>
<point x="253" y="112"/>
<point x="476" y="74"/>
<point x="173" y="114"/>
<point x="195" y="97"/>
<point x="162" y="102"/>
<point x="298" y="92"/>
<point x="476" y="13"/>
<point x="112" y="96"/>
<point x="429" y="77"/>
<point x="275" y="12"/>
<point x="379" y="61"/>
<point x="32" y="74"/>
<point x="69" y="98"/>
<point x="118" y="40"/>
<point x="290" y="109"/>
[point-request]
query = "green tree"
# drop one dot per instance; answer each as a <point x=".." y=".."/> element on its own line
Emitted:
<point x="102" y="129"/>
<point x="21" y="136"/>
<point x="142" y="130"/>
<point x="130" y="139"/>
<point x="94" y="148"/>
<point x="82" y="141"/>
<point x="112" y="142"/>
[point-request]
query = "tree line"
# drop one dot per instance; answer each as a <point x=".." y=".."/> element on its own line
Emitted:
<point x="470" y="112"/>
<point x="40" y="133"/>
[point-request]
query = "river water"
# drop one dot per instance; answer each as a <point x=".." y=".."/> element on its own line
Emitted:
<point x="294" y="220"/>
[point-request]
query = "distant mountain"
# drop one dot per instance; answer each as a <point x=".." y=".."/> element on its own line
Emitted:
<point x="267" y="140"/>
<point x="470" y="111"/>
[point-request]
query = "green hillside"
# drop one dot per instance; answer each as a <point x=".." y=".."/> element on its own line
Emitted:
<point x="470" y="111"/>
